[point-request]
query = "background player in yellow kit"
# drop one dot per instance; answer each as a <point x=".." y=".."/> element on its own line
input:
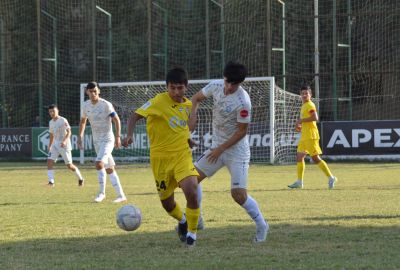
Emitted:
<point x="309" y="140"/>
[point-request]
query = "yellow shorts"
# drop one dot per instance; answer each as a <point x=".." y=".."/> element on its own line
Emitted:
<point x="310" y="147"/>
<point x="169" y="171"/>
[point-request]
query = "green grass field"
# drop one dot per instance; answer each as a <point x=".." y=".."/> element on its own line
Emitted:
<point x="354" y="226"/>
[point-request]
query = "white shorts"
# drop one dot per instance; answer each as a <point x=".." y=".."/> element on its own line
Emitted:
<point x="56" y="151"/>
<point x="104" y="150"/>
<point x="237" y="169"/>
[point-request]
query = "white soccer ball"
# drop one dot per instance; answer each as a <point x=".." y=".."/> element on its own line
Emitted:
<point x="129" y="217"/>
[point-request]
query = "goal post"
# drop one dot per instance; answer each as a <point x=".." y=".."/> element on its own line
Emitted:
<point x="271" y="132"/>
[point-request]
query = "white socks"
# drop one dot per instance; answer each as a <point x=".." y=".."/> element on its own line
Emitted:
<point x="78" y="174"/>
<point x="183" y="220"/>
<point x="116" y="184"/>
<point x="251" y="207"/>
<point x="199" y="196"/>
<point x="50" y="176"/>
<point x="193" y="235"/>
<point x="101" y="176"/>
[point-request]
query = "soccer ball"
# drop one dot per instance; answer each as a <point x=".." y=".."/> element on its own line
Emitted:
<point x="129" y="217"/>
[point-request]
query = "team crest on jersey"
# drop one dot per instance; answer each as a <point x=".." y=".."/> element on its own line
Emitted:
<point x="146" y="105"/>
<point x="244" y="113"/>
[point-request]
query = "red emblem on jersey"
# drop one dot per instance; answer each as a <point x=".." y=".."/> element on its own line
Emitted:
<point x="244" y="113"/>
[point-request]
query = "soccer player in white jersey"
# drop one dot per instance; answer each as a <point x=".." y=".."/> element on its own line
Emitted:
<point x="60" y="144"/>
<point x="230" y="146"/>
<point x="101" y="114"/>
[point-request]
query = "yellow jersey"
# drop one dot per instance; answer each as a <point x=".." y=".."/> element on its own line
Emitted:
<point x="309" y="130"/>
<point x="166" y="124"/>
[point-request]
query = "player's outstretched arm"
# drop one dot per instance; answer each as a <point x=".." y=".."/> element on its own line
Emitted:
<point x="196" y="100"/>
<point x="82" y="125"/>
<point x="131" y="127"/>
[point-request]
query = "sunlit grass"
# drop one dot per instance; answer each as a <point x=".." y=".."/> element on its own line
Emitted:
<point x="355" y="226"/>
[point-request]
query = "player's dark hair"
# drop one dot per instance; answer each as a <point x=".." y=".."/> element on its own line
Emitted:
<point x="177" y="75"/>
<point x="306" y="87"/>
<point x="235" y="72"/>
<point x="92" y="85"/>
<point x="52" y="106"/>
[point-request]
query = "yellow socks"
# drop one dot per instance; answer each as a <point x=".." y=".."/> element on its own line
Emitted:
<point x="176" y="212"/>
<point x="324" y="167"/>
<point x="192" y="217"/>
<point x="300" y="170"/>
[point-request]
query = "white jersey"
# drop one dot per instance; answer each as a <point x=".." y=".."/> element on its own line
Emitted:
<point x="228" y="111"/>
<point x="59" y="128"/>
<point x="99" y="116"/>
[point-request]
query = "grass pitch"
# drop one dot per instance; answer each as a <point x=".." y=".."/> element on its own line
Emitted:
<point x="354" y="226"/>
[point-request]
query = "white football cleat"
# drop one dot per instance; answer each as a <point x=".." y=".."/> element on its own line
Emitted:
<point x="100" y="197"/>
<point x="261" y="233"/>
<point x="50" y="184"/>
<point x="297" y="184"/>
<point x="331" y="182"/>
<point x="120" y="199"/>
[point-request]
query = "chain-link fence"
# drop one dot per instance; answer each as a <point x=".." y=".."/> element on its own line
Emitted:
<point x="345" y="49"/>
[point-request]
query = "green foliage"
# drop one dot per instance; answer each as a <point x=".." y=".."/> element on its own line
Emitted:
<point x="354" y="226"/>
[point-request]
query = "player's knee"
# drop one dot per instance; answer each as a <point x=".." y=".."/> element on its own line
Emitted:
<point x="300" y="157"/>
<point x="239" y="195"/>
<point x="168" y="204"/>
<point x="316" y="159"/>
<point x="110" y="170"/>
<point x="50" y="165"/>
<point x="99" y="165"/>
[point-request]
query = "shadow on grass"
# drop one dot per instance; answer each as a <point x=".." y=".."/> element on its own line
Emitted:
<point x="45" y="203"/>
<point x="356" y="217"/>
<point x="336" y="189"/>
<point x="287" y="247"/>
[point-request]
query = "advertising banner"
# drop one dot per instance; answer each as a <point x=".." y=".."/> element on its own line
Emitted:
<point x="361" y="138"/>
<point x="41" y="137"/>
<point x="15" y="142"/>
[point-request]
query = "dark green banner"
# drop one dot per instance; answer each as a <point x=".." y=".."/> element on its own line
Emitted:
<point x="41" y="136"/>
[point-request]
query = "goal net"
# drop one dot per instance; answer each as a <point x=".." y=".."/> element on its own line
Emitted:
<point x="271" y="132"/>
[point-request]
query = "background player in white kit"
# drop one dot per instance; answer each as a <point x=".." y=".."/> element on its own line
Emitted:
<point x="101" y="114"/>
<point x="230" y="147"/>
<point x="60" y="144"/>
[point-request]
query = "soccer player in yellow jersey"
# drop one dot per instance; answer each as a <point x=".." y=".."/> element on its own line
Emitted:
<point x="309" y="140"/>
<point x="171" y="161"/>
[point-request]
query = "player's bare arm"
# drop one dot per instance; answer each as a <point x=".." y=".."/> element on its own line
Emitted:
<point x="312" y="118"/>
<point x="131" y="127"/>
<point x="117" y="123"/>
<point x="237" y="136"/>
<point x="196" y="100"/>
<point x="51" y="140"/>
<point x="82" y="125"/>
<point x="66" y="138"/>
